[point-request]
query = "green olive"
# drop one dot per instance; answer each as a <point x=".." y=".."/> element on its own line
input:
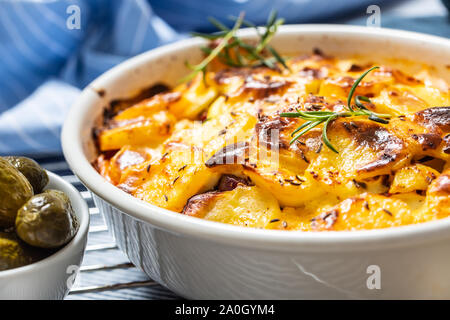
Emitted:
<point x="15" y="190"/>
<point x="15" y="253"/>
<point x="47" y="220"/>
<point x="31" y="170"/>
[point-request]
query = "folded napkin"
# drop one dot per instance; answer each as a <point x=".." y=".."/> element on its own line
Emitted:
<point x="44" y="64"/>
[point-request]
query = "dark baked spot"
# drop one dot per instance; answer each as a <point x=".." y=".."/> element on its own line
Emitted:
<point x="398" y="75"/>
<point x="441" y="185"/>
<point x="101" y="92"/>
<point x="434" y="118"/>
<point x="318" y="103"/>
<point x="446" y="148"/>
<point x="235" y="153"/>
<point x="318" y="55"/>
<point x="380" y="163"/>
<point x="373" y="135"/>
<point x="197" y="205"/>
<point x="224" y="76"/>
<point x="312" y="73"/>
<point x="386" y="180"/>
<point x="355" y="68"/>
<point x="229" y="182"/>
<point x="393" y="93"/>
<point x="428" y="140"/>
<point x="269" y="129"/>
<point x="118" y="105"/>
<point x="359" y="184"/>
<point x="260" y="89"/>
<point x="311" y="98"/>
<point x="318" y="52"/>
<point x="345" y="82"/>
<point x="326" y="219"/>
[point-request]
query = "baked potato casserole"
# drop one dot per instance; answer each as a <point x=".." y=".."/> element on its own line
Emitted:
<point x="220" y="146"/>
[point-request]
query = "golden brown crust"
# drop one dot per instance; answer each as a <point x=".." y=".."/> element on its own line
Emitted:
<point x="435" y="119"/>
<point x="442" y="185"/>
<point x="197" y="205"/>
<point x="217" y="148"/>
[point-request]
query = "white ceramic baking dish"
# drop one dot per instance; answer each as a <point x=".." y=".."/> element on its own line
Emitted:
<point x="202" y="259"/>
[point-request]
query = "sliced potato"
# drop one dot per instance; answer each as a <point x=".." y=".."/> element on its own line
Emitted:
<point x="399" y="101"/>
<point x="168" y="182"/>
<point x="126" y="157"/>
<point x="340" y="86"/>
<point x="438" y="197"/>
<point x="412" y="178"/>
<point x="247" y="206"/>
<point x="367" y="211"/>
<point x="195" y="98"/>
<point x="147" y="107"/>
<point x="138" y="132"/>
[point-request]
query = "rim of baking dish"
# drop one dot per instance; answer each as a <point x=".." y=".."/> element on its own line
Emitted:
<point x="65" y="252"/>
<point x="234" y="235"/>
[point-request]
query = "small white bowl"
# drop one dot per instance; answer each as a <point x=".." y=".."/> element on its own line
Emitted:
<point x="203" y="259"/>
<point x="50" y="278"/>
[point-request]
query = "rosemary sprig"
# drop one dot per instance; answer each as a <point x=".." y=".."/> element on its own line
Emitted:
<point x="201" y="67"/>
<point x="315" y="118"/>
<point x="234" y="52"/>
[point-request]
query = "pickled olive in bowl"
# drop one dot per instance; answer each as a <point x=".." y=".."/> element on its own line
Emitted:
<point x="15" y="190"/>
<point x="15" y="253"/>
<point x="31" y="170"/>
<point x="34" y="223"/>
<point x="47" y="220"/>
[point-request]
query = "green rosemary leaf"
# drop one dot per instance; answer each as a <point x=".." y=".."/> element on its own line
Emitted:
<point x="318" y="112"/>
<point x="290" y="114"/>
<point x="309" y="115"/>
<point x="358" y="102"/>
<point x="239" y="57"/>
<point x="272" y="17"/>
<point x="306" y="129"/>
<point x="209" y="36"/>
<point x="251" y="50"/>
<point x="375" y="118"/>
<point x="300" y="128"/>
<point x="202" y="65"/>
<point x="189" y="66"/>
<point x="227" y="57"/>
<point x="268" y="63"/>
<point x="206" y="50"/>
<point x="204" y="76"/>
<point x="255" y="55"/>
<point x="278" y="57"/>
<point x="268" y="35"/>
<point x="355" y="84"/>
<point x="246" y="23"/>
<point x="324" y="134"/>
<point x="224" y="58"/>
<point x="219" y="25"/>
<point x="363" y="98"/>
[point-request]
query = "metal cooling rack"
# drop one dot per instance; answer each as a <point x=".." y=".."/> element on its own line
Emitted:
<point x="106" y="272"/>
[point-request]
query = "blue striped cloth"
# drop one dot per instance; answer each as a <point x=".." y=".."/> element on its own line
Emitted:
<point x="44" y="64"/>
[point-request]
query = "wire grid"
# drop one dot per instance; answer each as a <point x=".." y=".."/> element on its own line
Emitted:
<point x="106" y="272"/>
